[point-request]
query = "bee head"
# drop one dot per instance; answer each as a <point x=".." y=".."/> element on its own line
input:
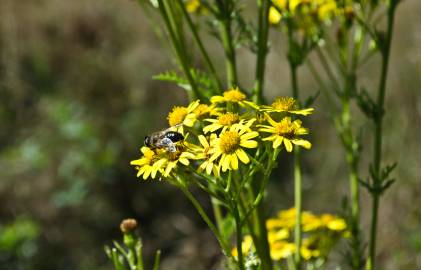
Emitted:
<point x="147" y="141"/>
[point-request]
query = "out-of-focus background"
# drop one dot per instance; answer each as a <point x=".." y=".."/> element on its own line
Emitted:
<point x="77" y="97"/>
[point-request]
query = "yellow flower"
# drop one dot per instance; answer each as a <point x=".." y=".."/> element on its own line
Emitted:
<point x="286" y="104"/>
<point x="327" y="9"/>
<point x="171" y="160"/>
<point x="148" y="164"/>
<point x="286" y="132"/>
<point x="281" y="250"/>
<point x="229" y="146"/>
<point x="203" y="152"/>
<point x="183" y="115"/>
<point x="277" y="235"/>
<point x="333" y="223"/>
<point x="235" y="96"/>
<point x="203" y="110"/>
<point x="246" y="246"/>
<point x="192" y="5"/>
<point x="224" y="121"/>
<point x="274" y="16"/>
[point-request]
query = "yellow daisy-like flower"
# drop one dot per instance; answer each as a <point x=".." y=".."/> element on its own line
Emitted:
<point x="327" y="9"/>
<point x="286" y="132"/>
<point x="229" y="146"/>
<point x="277" y="235"/>
<point x="148" y="164"/>
<point x="224" y="121"/>
<point x="333" y="223"/>
<point x="281" y="250"/>
<point x="183" y="116"/>
<point x="235" y="96"/>
<point x="246" y="246"/>
<point x="203" y="153"/>
<point x="286" y="104"/>
<point x="171" y="161"/>
<point x="192" y="5"/>
<point x="203" y="110"/>
<point x="274" y="16"/>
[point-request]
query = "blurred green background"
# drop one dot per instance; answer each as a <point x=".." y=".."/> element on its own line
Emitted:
<point x="77" y="98"/>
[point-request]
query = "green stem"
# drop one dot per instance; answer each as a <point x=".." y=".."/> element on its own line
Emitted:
<point x="297" y="179"/>
<point x="239" y="235"/>
<point x="227" y="43"/>
<point x="378" y="131"/>
<point x="217" y="83"/>
<point x="225" y="246"/>
<point x="168" y="16"/>
<point x="298" y="206"/>
<point x="263" y="30"/>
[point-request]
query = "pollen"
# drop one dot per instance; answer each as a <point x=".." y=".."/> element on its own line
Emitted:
<point x="201" y="110"/>
<point x="177" y="115"/>
<point x="228" y="119"/>
<point x="284" y="104"/>
<point x="285" y="127"/>
<point x="234" y="95"/>
<point x="230" y="141"/>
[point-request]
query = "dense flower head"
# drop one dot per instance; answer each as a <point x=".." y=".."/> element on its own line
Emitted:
<point x="222" y="136"/>
<point x="321" y="232"/>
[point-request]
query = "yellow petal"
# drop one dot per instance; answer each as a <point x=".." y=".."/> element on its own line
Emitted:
<point x="249" y="135"/>
<point x="147" y="173"/>
<point x="184" y="161"/>
<point x="304" y="143"/>
<point x="270" y="120"/>
<point x="234" y="162"/>
<point x="288" y="145"/>
<point x="249" y="144"/>
<point x="209" y="168"/>
<point x="216" y="99"/>
<point x="242" y="156"/>
<point x="278" y="141"/>
<point x="203" y="141"/>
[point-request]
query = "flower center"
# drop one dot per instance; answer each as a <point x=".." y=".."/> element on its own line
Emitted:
<point x="234" y="95"/>
<point x="230" y="141"/>
<point x="285" y="128"/>
<point x="201" y="110"/>
<point x="177" y="115"/>
<point x="284" y="104"/>
<point x="228" y="119"/>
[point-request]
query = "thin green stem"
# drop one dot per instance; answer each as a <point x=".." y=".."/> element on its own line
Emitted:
<point x="225" y="246"/>
<point x="263" y="31"/>
<point x="239" y="235"/>
<point x="298" y="206"/>
<point x="208" y="62"/>
<point x="227" y="43"/>
<point x="385" y="47"/>
<point x="168" y="16"/>
<point x="329" y="71"/>
<point x="297" y="163"/>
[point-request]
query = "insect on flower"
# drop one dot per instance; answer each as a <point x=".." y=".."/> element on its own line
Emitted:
<point x="164" y="139"/>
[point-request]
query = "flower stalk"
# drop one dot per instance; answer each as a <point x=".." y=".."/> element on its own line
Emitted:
<point x="385" y="46"/>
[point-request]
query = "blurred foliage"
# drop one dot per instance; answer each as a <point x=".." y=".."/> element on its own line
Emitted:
<point x="77" y="98"/>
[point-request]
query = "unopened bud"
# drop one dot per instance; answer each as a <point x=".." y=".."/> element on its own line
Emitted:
<point x="128" y="225"/>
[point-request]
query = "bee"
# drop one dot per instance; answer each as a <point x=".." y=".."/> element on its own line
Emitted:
<point x="164" y="139"/>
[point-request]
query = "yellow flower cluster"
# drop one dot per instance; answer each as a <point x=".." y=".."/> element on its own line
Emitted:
<point x="307" y="14"/>
<point x="222" y="135"/>
<point x="320" y="235"/>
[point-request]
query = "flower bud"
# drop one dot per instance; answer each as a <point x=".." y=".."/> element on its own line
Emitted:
<point x="128" y="225"/>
